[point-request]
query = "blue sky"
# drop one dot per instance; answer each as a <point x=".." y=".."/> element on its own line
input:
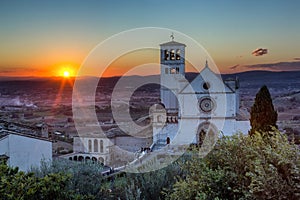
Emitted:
<point x="36" y="35"/>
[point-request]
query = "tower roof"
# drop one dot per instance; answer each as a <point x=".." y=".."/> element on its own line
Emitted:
<point x="172" y="43"/>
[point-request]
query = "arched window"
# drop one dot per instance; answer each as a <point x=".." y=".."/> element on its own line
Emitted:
<point x="90" y="145"/>
<point x="80" y="158"/>
<point x="95" y="145"/>
<point x="168" y="140"/>
<point x="178" y="54"/>
<point x="101" y="146"/>
<point x="166" y="55"/>
<point x="172" y="54"/>
<point x="101" y="160"/>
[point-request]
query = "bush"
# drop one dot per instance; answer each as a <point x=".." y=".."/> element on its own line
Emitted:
<point x="263" y="166"/>
<point x="26" y="186"/>
<point x="85" y="177"/>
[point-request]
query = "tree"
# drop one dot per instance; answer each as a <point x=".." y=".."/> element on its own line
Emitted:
<point x="262" y="115"/>
<point x="15" y="184"/>
<point x="242" y="167"/>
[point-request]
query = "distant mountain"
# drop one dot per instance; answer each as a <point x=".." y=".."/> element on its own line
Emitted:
<point x="243" y="77"/>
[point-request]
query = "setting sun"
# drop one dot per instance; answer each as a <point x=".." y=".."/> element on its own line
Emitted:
<point x="66" y="70"/>
<point x="66" y="73"/>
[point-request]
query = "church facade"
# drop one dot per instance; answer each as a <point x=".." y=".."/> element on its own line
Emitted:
<point x="189" y="111"/>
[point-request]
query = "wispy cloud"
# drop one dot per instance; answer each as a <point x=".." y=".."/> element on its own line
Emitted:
<point x="4" y="70"/>
<point x="296" y="58"/>
<point x="234" y="67"/>
<point x="280" y="66"/>
<point x="259" y="52"/>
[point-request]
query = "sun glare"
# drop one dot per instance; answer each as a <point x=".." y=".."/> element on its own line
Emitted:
<point x="66" y="74"/>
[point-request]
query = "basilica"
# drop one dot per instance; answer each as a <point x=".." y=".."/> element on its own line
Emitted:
<point x="188" y="111"/>
<point x="186" y="114"/>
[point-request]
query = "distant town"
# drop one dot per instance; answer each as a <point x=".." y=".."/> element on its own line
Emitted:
<point x="33" y="106"/>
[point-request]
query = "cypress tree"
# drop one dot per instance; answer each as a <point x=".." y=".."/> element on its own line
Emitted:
<point x="262" y="115"/>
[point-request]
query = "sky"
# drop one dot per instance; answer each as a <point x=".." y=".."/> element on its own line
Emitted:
<point x="46" y="38"/>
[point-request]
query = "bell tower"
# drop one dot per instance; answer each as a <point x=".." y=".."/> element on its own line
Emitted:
<point x="172" y="69"/>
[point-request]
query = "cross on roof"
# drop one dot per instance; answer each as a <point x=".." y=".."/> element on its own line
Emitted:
<point x="172" y="36"/>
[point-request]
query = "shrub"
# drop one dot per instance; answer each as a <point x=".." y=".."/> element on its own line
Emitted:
<point x="263" y="166"/>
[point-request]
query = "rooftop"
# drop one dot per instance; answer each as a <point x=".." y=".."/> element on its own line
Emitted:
<point x="4" y="133"/>
<point x="172" y="43"/>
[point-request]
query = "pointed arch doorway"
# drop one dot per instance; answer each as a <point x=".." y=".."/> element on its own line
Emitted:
<point x="207" y="133"/>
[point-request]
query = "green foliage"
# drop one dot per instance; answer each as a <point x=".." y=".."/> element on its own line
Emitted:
<point x="23" y="186"/>
<point x="262" y="115"/>
<point x="264" y="166"/>
<point x="84" y="177"/>
<point x="148" y="185"/>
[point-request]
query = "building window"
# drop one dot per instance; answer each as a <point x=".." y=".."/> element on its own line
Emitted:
<point x="166" y="54"/>
<point x="172" y="55"/>
<point x="177" y="70"/>
<point x="178" y="54"/>
<point x="206" y="85"/>
<point x="206" y="104"/>
<point x="173" y="71"/>
<point x="166" y="70"/>
<point x="95" y="145"/>
<point x="101" y="146"/>
<point x="168" y="140"/>
<point x="90" y="145"/>
<point x="80" y="158"/>
<point x="101" y="160"/>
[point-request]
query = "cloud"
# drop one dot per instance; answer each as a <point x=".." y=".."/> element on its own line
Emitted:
<point x="281" y="66"/>
<point x="296" y="58"/>
<point x="234" y="67"/>
<point x="259" y="52"/>
<point x="16" y="70"/>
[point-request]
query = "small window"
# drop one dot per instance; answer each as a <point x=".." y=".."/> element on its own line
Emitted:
<point x="168" y="140"/>
<point x="101" y="146"/>
<point x="95" y="145"/>
<point x="90" y="145"/>
<point x="206" y="85"/>
<point x="166" y="70"/>
<point x="166" y="55"/>
<point x="173" y="71"/>
<point x="178" y="54"/>
<point x="172" y="56"/>
<point x="177" y="70"/>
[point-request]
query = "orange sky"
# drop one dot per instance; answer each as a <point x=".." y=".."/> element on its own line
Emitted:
<point x="44" y="38"/>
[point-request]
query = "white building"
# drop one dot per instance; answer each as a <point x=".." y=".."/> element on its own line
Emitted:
<point x="206" y="105"/>
<point x="114" y="149"/>
<point x="24" y="151"/>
